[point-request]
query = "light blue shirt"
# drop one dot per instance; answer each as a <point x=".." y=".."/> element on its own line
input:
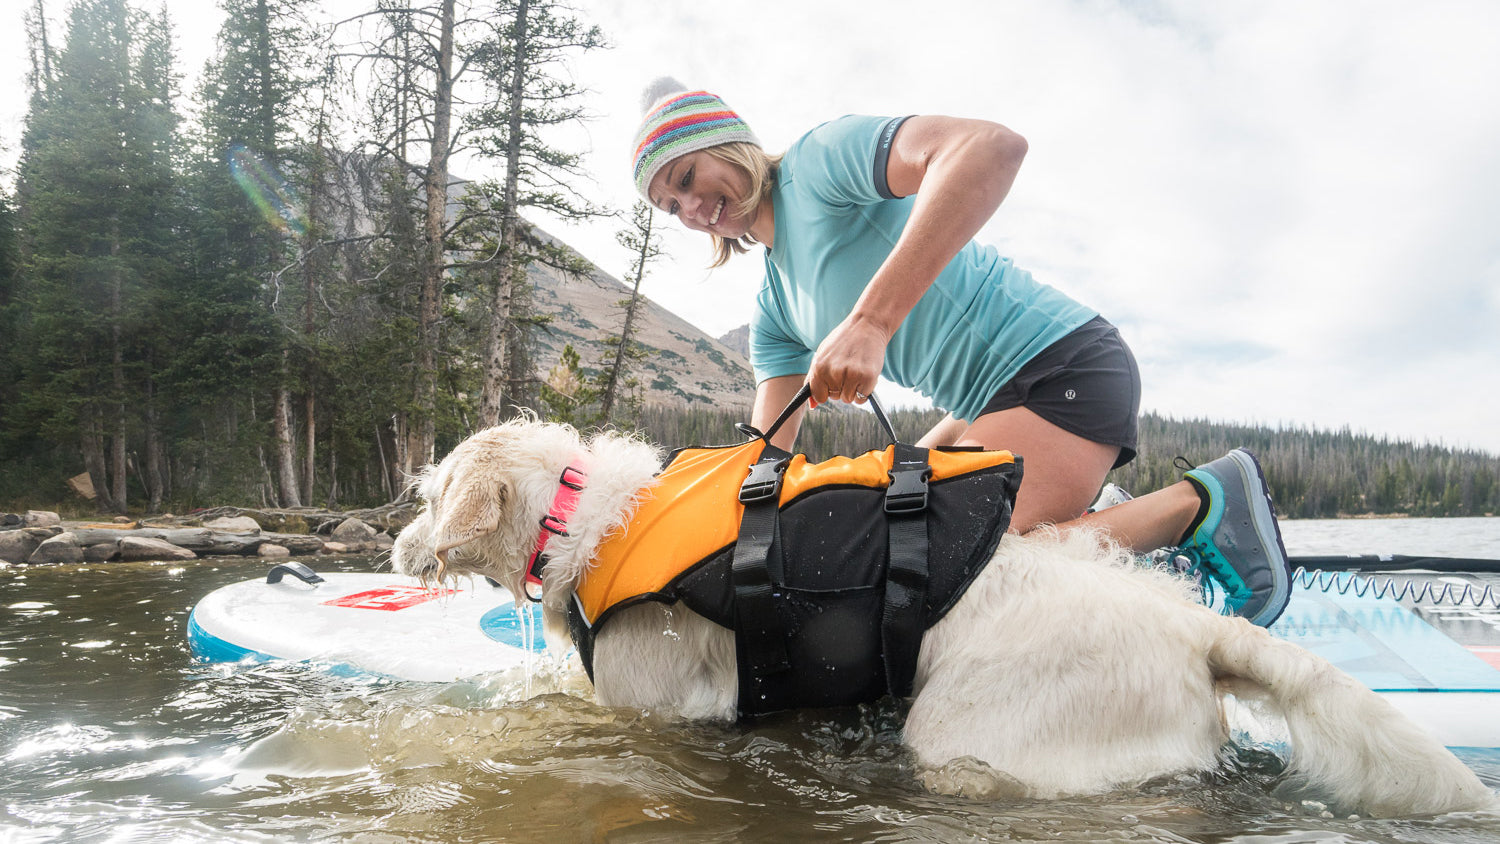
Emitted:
<point x="979" y="322"/>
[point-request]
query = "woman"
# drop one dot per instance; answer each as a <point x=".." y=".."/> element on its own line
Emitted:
<point x="871" y="269"/>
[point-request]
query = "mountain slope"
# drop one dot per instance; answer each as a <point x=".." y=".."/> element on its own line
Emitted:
<point x="683" y="365"/>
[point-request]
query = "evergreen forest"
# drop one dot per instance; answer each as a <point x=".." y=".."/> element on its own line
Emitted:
<point x="1313" y="474"/>
<point x="272" y="290"/>
<point x="289" y="297"/>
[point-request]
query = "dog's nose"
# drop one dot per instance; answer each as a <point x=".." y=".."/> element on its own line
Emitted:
<point x="408" y="557"/>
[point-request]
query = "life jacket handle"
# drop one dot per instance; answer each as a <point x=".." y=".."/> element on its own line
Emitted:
<point x="803" y="395"/>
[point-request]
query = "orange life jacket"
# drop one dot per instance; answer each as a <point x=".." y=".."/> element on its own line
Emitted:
<point x="826" y="562"/>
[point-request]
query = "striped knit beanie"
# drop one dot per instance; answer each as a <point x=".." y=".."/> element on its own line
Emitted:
<point x="679" y="123"/>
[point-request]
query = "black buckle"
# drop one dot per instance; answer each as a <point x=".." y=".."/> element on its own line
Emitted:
<point x="573" y="483"/>
<point x="763" y="481"/>
<point x="554" y="525"/>
<point x="908" y="490"/>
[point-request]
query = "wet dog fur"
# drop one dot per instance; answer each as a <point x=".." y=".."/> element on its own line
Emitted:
<point x="1067" y="668"/>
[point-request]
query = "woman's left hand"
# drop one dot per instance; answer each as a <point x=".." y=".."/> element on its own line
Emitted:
<point x="848" y="362"/>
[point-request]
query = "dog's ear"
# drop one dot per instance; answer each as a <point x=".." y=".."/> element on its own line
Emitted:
<point x="470" y="509"/>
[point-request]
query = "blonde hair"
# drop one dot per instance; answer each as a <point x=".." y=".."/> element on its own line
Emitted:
<point x="761" y="168"/>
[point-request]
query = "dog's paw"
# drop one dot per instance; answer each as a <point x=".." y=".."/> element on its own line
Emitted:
<point x="971" y="778"/>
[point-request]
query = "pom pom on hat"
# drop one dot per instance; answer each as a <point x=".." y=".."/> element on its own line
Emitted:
<point x="660" y="88"/>
<point x="677" y="122"/>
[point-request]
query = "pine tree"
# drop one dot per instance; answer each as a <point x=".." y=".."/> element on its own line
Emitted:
<point x="155" y="240"/>
<point x="621" y="350"/>
<point x="445" y="78"/>
<point x="10" y="318"/>
<point x="96" y="196"/>
<point x="411" y="65"/>
<point x="532" y="96"/>
<point x="567" y="395"/>
<point x="250" y="217"/>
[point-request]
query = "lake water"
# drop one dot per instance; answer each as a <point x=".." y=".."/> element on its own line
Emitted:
<point x="110" y="732"/>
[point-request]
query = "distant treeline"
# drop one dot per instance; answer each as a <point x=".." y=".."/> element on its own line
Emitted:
<point x="1312" y="473"/>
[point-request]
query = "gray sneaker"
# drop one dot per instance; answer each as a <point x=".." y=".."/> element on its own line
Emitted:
<point x="1109" y="496"/>
<point x="1238" y="542"/>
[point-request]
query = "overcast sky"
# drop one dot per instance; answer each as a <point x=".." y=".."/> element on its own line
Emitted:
<point x="1291" y="208"/>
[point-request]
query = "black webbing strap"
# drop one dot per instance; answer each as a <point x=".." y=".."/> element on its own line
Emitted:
<point x="757" y="624"/>
<point x="901" y="623"/>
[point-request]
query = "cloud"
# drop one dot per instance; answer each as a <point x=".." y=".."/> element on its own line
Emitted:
<point x="1288" y="207"/>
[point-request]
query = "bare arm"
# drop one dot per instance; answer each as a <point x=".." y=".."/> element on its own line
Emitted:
<point x="771" y="397"/>
<point x="960" y="170"/>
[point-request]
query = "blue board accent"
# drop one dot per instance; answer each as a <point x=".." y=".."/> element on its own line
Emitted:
<point x="1381" y="643"/>
<point x="210" y="648"/>
<point x="505" y="625"/>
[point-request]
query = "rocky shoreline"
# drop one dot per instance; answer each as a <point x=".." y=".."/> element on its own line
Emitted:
<point x="40" y="537"/>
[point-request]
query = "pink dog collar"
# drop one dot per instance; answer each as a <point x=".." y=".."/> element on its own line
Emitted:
<point x="555" y="523"/>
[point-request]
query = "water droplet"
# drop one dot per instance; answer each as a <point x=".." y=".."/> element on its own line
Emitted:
<point x="669" y="632"/>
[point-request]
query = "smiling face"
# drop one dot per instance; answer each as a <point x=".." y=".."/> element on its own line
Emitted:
<point x="705" y="193"/>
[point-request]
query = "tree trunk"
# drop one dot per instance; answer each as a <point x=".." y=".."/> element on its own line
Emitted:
<point x="492" y="393"/>
<point x="286" y="450"/>
<point x="117" y="446"/>
<point x="155" y="487"/>
<point x="309" y="315"/>
<point x="383" y="441"/>
<point x="309" y="444"/>
<point x="41" y="65"/>
<point x="397" y="473"/>
<point x="91" y="448"/>
<point x="509" y="311"/>
<point x="117" y="441"/>
<point x="612" y="387"/>
<point x="423" y="434"/>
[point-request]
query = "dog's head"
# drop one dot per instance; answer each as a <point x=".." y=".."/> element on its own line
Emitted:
<point x="482" y="503"/>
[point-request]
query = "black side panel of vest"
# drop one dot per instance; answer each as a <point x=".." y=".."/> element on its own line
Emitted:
<point x="583" y="636"/>
<point x="828" y="568"/>
<point x="966" y="518"/>
<point x="707" y="589"/>
<point x="833" y="650"/>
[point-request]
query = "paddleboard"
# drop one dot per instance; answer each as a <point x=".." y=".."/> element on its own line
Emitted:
<point x="1427" y="642"/>
<point x="384" y="624"/>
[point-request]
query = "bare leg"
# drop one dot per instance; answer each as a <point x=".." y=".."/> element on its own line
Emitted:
<point x="1148" y="522"/>
<point x="946" y="432"/>
<point x="1063" y="473"/>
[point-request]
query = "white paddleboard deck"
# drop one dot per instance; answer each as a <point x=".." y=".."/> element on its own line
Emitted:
<point x="1436" y="661"/>
<point x="1438" y="664"/>
<point x="383" y="624"/>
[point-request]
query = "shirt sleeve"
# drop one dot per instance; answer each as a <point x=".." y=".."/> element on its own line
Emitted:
<point x="774" y="348"/>
<point x="843" y="162"/>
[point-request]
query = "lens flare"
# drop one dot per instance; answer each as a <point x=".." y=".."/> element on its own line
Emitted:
<point x="266" y="190"/>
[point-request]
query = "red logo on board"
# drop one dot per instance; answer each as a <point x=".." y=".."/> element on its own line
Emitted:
<point x="389" y="598"/>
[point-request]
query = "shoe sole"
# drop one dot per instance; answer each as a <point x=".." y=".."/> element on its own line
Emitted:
<point x="1267" y="530"/>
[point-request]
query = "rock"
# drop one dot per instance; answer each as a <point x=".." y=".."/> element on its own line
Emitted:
<point x="124" y="520"/>
<point x="41" y="518"/>
<point x="101" y="553"/>
<point x="16" y="545"/>
<point x="59" y="549"/>
<point x="269" y="550"/>
<point x="207" y="543"/>
<point x="234" y="524"/>
<point x="9" y="520"/>
<point x="83" y="486"/>
<point x="384" y="542"/>
<point x="355" y="534"/>
<point x="144" y="548"/>
<point x="335" y="548"/>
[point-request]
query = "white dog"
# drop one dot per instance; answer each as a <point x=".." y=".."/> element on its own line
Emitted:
<point x="1068" y="668"/>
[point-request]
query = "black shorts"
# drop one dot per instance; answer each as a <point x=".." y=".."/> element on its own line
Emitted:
<point x="1086" y="383"/>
